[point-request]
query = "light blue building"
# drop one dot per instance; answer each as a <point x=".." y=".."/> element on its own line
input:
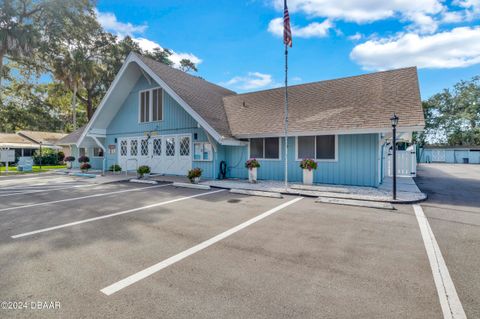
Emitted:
<point x="172" y="121"/>
<point x="452" y="154"/>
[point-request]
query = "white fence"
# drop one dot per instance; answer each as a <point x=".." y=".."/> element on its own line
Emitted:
<point x="406" y="163"/>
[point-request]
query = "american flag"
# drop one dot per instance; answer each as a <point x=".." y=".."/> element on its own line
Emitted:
<point x="287" y="32"/>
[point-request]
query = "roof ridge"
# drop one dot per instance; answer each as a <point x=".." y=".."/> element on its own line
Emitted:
<point x="329" y="80"/>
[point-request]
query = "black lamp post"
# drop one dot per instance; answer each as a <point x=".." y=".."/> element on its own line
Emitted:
<point x="394" y="120"/>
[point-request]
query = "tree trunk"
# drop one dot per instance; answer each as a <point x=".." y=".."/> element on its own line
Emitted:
<point x="74" y="107"/>
<point x="1" y="76"/>
<point x="89" y="106"/>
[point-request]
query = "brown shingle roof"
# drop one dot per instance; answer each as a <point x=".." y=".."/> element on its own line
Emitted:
<point x="353" y="103"/>
<point x="202" y="96"/>
<point x="42" y="137"/>
<point x="10" y="138"/>
<point x="71" y="138"/>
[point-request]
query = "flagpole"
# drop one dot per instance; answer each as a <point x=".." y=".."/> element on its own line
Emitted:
<point x="286" y="116"/>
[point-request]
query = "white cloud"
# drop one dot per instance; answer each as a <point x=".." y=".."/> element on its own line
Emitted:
<point x="149" y="45"/>
<point x="459" y="47"/>
<point x="420" y="13"/>
<point x="312" y="30"/>
<point x="110" y="23"/>
<point x="253" y="80"/>
<point x="355" y="37"/>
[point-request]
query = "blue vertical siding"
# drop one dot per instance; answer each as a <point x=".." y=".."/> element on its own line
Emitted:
<point x="357" y="163"/>
<point x="452" y="155"/>
<point x="175" y="121"/>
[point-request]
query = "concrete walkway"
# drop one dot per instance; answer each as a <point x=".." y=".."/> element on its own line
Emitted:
<point x="407" y="190"/>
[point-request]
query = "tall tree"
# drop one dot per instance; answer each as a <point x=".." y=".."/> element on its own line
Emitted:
<point x="453" y="115"/>
<point x="187" y="65"/>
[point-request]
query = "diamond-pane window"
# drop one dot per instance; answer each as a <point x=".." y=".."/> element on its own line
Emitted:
<point x="123" y="148"/>
<point x="157" y="147"/>
<point x="185" y="146"/>
<point x="133" y="148"/>
<point x="144" y="148"/>
<point x="170" y="146"/>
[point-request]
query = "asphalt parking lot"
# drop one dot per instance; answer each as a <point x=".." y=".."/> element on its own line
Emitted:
<point x="126" y="250"/>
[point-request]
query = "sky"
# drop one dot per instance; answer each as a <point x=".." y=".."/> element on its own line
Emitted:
<point x="238" y="44"/>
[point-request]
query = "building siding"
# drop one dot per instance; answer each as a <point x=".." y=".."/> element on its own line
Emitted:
<point x="357" y="164"/>
<point x="452" y="156"/>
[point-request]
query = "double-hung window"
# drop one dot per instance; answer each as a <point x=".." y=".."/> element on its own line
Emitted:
<point x="150" y="106"/>
<point x="320" y="147"/>
<point x="265" y="148"/>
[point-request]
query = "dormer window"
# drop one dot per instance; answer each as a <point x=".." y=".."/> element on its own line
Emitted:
<point x="150" y="106"/>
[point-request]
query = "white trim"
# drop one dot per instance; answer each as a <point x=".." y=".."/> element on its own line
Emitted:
<point x="334" y="132"/>
<point x="175" y="96"/>
<point x="267" y="159"/>
<point x="202" y="160"/>
<point x="333" y="160"/>
<point x="133" y="58"/>
<point x="150" y="105"/>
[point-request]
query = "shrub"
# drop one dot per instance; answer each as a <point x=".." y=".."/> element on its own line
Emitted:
<point x="252" y="163"/>
<point x="83" y="159"/>
<point x="142" y="170"/>
<point x="85" y="166"/>
<point x="194" y="173"/>
<point x="115" y="168"/>
<point x="69" y="159"/>
<point x="49" y="157"/>
<point x="308" y="163"/>
<point x="60" y="156"/>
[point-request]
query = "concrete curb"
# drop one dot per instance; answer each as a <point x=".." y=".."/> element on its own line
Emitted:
<point x="255" y="193"/>
<point x="189" y="185"/>
<point x="141" y="181"/>
<point x="358" y="203"/>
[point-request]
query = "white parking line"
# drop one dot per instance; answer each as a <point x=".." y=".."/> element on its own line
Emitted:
<point x="114" y="214"/>
<point x="16" y="192"/>
<point x="184" y="254"/>
<point x="79" y="198"/>
<point x="451" y="306"/>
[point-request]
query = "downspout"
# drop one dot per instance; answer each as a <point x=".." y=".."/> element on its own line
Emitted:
<point x="104" y="152"/>
<point x="214" y="147"/>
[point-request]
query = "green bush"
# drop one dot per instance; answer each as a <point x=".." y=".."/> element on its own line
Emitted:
<point x="115" y="168"/>
<point x="85" y="166"/>
<point x="49" y="157"/>
<point x="142" y="170"/>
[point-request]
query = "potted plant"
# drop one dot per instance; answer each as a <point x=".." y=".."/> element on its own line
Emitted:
<point x="252" y="165"/>
<point x="143" y="170"/>
<point x="308" y="165"/>
<point x="69" y="160"/>
<point x="194" y="175"/>
<point x="115" y="168"/>
<point x="84" y="167"/>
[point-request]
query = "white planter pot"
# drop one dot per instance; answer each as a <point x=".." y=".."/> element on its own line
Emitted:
<point x="69" y="165"/>
<point x="308" y="177"/>
<point x="252" y="175"/>
<point x="196" y="180"/>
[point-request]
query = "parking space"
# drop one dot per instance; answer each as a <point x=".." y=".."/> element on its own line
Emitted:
<point x="203" y="253"/>
<point x="453" y="211"/>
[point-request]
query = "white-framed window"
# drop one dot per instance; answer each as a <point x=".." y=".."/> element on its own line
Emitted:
<point x="265" y="148"/>
<point x="97" y="152"/>
<point x="202" y="151"/>
<point x="123" y="148"/>
<point x="82" y="152"/>
<point x="185" y="146"/>
<point x="150" y="105"/>
<point x="320" y="147"/>
<point x="143" y="147"/>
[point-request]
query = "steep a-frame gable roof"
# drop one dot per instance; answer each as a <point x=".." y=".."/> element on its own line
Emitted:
<point x="204" y="97"/>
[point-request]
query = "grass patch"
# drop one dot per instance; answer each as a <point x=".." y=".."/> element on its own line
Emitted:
<point x="36" y="169"/>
